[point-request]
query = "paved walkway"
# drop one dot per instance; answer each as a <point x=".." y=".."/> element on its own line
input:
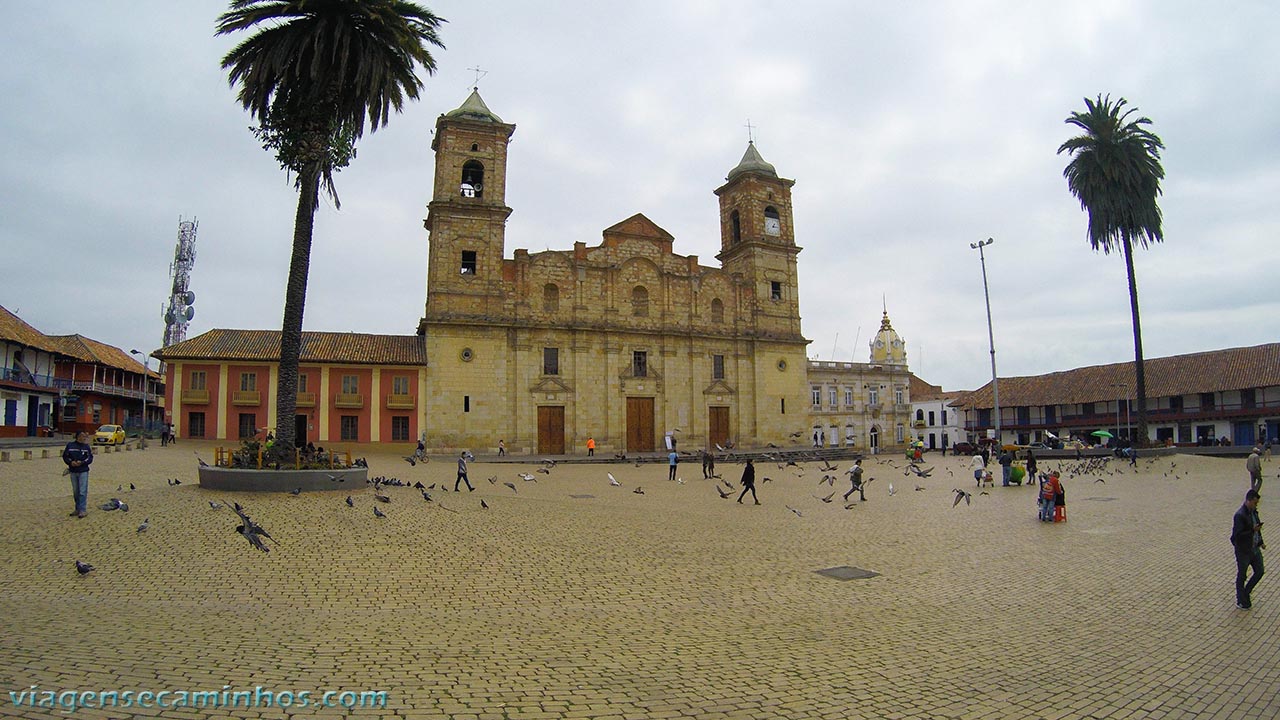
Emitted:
<point x="670" y="604"/>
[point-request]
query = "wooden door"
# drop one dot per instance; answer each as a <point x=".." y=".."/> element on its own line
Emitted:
<point x="640" y="435"/>
<point x="718" y="425"/>
<point x="551" y="430"/>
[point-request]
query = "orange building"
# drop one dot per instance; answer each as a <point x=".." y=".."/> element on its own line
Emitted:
<point x="352" y="387"/>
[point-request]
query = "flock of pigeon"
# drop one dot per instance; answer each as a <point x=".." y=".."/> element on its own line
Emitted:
<point x="256" y="536"/>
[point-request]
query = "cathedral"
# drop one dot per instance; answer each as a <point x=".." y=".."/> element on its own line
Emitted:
<point x="624" y="342"/>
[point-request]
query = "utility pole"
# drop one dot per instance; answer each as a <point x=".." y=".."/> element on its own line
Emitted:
<point x="991" y="338"/>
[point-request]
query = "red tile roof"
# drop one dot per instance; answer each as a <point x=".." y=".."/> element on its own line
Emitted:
<point x="1215" y="370"/>
<point x="90" y="350"/>
<point x="324" y="347"/>
<point x="15" y="330"/>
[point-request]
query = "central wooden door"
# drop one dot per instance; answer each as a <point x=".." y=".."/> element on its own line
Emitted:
<point x="718" y="425"/>
<point x="640" y="435"/>
<point x="551" y="430"/>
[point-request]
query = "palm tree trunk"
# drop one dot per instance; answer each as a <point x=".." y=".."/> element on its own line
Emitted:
<point x="295" y="300"/>
<point x="1140" y="436"/>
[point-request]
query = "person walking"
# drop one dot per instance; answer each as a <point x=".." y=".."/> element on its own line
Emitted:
<point x="591" y="446"/>
<point x="708" y="464"/>
<point x="1246" y="538"/>
<point x="1254" y="465"/>
<point x="979" y="466"/>
<point x="855" y="480"/>
<point x="749" y="482"/>
<point x="672" y="459"/>
<point x="462" y="473"/>
<point x="79" y="456"/>
<point x="502" y="447"/>
<point x="1031" y="467"/>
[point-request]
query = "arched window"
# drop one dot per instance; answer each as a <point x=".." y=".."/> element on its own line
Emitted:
<point x="472" y="179"/>
<point x="639" y="301"/>
<point x="550" y="298"/>
<point x="717" y="311"/>
<point x="772" y="223"/>
<point x="920" y="415"/>
<point x="735" y="227"/>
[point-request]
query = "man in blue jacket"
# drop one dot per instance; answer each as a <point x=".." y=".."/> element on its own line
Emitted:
<point x="79" y="456"/>
<point x="1246" y="537"/>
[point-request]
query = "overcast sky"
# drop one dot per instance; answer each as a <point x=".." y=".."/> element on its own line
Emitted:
<point x="911" y="130"/>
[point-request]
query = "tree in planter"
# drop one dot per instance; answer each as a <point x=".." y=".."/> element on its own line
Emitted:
<point x="312" y="75"/>
<point x="1115" y="172"/>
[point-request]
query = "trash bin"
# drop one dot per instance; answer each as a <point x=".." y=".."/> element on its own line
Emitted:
<point x="1017" y="473"/>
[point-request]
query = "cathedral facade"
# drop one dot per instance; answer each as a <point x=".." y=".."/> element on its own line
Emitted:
<point x="624" y="342"/>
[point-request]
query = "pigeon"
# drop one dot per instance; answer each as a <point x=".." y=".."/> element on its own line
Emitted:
<point x="638" y="491"/>
<point x="679" y="481"/>
<point x="484" y="504"/>
<point x="120" y="488"/>
<point x="255" y="539"/>
<point x="797" y="434"/>
<point x="548" y="462"/>
<point x="215" y="505"/>
<point x="132" y="486"/>
<point x="419" y="486"/>
<point x="613" y="480"/>
<point x="296" y="491"/>
<point x="381" y="498"/>
<point x="527" y="477"/>
<point x="146" y="523"/>
<point x="961" y="495"/>
<point x="112" y="504"/>
<point x="84" y="568"/>
<point x="544" y="471"/>
<point x="512" y="486"/>
<point x="850" y="506"/>
<point x="378" y="513"/>
<point x="919" y="488"/>
<point x="350" y="502"/>
<point x="765" y="480"/>
<point x="492" y="481"/>
<point x="425" y="496"/>
<point x="797" y="512"/>
<point x="1100" y="480"/>
<point x="891" y="490"/>
<point x="409" y="459"/>
<point x="253" y="527"/>
<point x="724" y="495"/>
<point x="827" y="499"/>
<point x="202" y="462"/>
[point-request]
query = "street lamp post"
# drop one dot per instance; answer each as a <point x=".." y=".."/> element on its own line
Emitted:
<point x="995" y="382"/>
<point x="145" y="381"/>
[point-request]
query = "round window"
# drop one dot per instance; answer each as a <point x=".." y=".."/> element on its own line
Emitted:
<point x="466" y="354"/>
<point x="782" y="365"/>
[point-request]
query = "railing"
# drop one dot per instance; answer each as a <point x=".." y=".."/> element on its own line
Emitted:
<point x="104" y="389"/>
<point x="348" y="400"/>
<point x="306" y="399"/>
<point x="246" y="397"/>
<point x="1220" y="411"/>
<point x="26" y="378"/>
<point x="195" y="397"/>
<point x="400" y="402"/>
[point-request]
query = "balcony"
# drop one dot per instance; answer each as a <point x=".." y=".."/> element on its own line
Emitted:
<point x="306" y="399"/>
<point x="195" y="397"/>
<point x="22" y="377"/>
<point x="348" y="400"/>
<point x="115" y="390"/>
<point x="401" y="402"/>
<point x="246" y="397"/>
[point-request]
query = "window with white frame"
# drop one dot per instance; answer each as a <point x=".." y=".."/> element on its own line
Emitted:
<point x="898" y="396"/>
<point x="848" y="397"/>
<point x="817" y="395"/>
<point x="833" y="397"/>
<point x="873" y="396"/>
<point x="900" y="433"/>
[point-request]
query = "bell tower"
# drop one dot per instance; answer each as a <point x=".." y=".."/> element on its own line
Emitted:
<point x="757" y="242"/>
<point x="467" y="215"/>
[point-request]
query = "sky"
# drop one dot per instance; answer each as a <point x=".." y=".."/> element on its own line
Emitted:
<point x="911" y="130"/>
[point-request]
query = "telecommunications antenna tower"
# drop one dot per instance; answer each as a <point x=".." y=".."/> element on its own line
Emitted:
<point x="181" y="298"/>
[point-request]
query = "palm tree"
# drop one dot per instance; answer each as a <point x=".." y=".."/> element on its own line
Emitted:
<point x="1115" y="172"/>
<point x="312" y="75"/>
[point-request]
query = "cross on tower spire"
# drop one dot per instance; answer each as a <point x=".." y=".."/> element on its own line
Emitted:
<point x="751" y="138"/>
<point x="479" y="74"/>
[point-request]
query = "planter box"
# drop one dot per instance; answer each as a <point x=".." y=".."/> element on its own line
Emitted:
<point x="241" y="480"/>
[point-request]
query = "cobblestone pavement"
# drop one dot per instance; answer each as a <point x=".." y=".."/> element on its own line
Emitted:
<point x="569" y="598"/>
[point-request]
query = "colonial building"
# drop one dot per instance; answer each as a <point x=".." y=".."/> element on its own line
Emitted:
<point x="862" y="405"/>
<point x="934" y="421"/>
<point x="625" y="341"/>
<point x="1191" y="399"/>
<point x="70" y="383"/>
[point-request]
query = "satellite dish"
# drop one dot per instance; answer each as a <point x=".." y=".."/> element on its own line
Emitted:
<point x="189" y="297"/>
<point x="189" y="313"/>
<point x="169" y="319"/>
